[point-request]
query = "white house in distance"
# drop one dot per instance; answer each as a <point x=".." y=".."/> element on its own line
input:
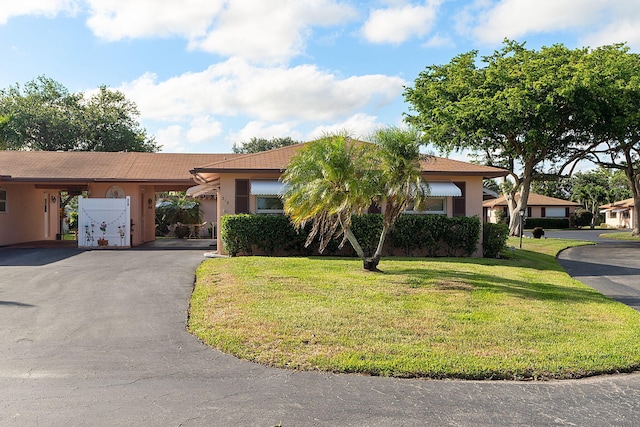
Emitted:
<point x="619" y="214"/>
<point x="538" y="206"/>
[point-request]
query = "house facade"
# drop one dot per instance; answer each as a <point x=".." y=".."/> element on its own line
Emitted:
<point x="35" y="186"/>
<point x="538" y="206"/>
<point x="619" y="214"/>
<point x="250" y="184"/>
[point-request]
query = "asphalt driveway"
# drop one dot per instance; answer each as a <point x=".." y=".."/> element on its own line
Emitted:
<point x="98" y="338"/>
<point x="612" y="267"/>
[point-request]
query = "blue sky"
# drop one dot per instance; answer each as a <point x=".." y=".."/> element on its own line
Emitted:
<point x="209" y="73"/>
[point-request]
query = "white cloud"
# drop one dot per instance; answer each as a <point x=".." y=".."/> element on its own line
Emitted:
<point x="400" y="23"/>
<point x="171" y="139"/>
<point x="119" y="19"/>
<point x="203" y="129"/>
<point x="360" y="125"/>
<point x="49" y="8"/>
<point x="270" y="32"/>
<point x="491" y="21"/>
<point x="260" y="129"/>
<point x="267" y="32"/>
<point x="235" y="87"/>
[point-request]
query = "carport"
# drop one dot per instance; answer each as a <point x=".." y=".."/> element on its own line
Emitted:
<point x="36" y="186"/>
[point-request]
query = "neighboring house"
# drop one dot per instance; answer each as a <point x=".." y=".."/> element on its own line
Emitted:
<point x="250" y="184"/>
<point x="31" y="183"/>
<point x="619" y="214"/>
<point x="538" y="206"/>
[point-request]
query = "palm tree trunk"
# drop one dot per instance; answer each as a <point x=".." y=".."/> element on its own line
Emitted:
<point x="354" y="242"/>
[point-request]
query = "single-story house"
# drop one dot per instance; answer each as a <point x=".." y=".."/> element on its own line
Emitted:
<point x="31" y="183"/>
<point x="538" y="206"/>
<point x="619" y="214"/>
<point x="250" y="184"/>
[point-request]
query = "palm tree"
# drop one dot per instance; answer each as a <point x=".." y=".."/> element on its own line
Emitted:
<point x="334" y="178"/>
<point x="401" y="183"/>
<point x="329" y="181"/>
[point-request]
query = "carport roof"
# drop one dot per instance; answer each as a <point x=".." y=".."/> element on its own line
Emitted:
<point x="39" y="166"/>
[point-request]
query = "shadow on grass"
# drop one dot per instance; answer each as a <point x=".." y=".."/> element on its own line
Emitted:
<point x="523" y="288"/>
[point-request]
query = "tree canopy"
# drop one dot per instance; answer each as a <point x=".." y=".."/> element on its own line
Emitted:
<point x="517" y="111"/>
<point x="44" y="115"/>
<point x="610" y="110"/>
<point x="256" y="145"/>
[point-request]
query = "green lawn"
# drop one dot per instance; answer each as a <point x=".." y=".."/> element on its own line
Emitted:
<point x="622" y="235"/>
<point x="517" y="318"/>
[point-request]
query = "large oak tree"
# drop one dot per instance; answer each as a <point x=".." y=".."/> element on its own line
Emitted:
<point x="515" y="110"/>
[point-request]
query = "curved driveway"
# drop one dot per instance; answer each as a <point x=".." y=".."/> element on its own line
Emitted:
<point x="611" y="267"/>
<point x="98" y="338"/>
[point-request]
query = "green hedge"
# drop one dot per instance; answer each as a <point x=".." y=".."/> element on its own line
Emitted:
<point x="412" y="235"/>
<point x="546" y="223"/>
<point x="494" y="239"/>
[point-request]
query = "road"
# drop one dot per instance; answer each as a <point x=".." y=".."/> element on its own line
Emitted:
<point x="98" y="338"/>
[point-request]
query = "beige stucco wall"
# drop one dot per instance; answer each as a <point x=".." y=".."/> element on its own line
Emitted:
<point x="226" y="198"/>
<point x="620" y="220"/>
<point x="25" y="218"/>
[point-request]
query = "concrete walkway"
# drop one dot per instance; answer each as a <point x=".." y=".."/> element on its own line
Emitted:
<point x="98" y="338"/>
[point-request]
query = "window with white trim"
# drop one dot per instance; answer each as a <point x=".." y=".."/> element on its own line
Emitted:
<point x="431" y="205"/>
<point x="555" y="213"/>
<point x="269" y="204"/>
<point x="3" y="201"/>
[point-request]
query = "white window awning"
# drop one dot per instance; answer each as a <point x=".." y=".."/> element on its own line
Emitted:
<point x="620" y="210"/>
<point x="202" y="190"/>
<point x="442" y="189"/>
<point x="265" y="187"/>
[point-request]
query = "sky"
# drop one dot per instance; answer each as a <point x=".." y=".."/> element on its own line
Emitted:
<point x="206" y="74"/>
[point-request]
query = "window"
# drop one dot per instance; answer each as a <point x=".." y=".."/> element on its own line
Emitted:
<point x="269" y="204"/>
<point x="3" y="200"/>
<point x="432" y="205"/>
<point x="554" y="213"/>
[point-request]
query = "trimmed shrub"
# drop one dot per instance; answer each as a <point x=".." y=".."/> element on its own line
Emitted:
<point x="433" y="235"/>
<point x="537" y="232"/>
<point x="238" y="233"/>
<point x="549" y="223"/>
<point x="494" y="239"/>
<point x="582" y="218"/>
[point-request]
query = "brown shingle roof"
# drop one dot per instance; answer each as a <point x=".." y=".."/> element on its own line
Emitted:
<point x="534" y="200"/>
<point x="627" y="203"/>
<point x="277" y="160"/>
<point x="91" y="166"/>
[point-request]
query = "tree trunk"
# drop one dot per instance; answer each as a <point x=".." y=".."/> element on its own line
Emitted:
<point x="636" y="214"/>
<point x="521" y="204"/>
<point x="354" y="243"/>
<point x="371" y="264"/>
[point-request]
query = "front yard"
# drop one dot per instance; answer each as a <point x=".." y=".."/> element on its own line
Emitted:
<point x="519" y="318"/>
